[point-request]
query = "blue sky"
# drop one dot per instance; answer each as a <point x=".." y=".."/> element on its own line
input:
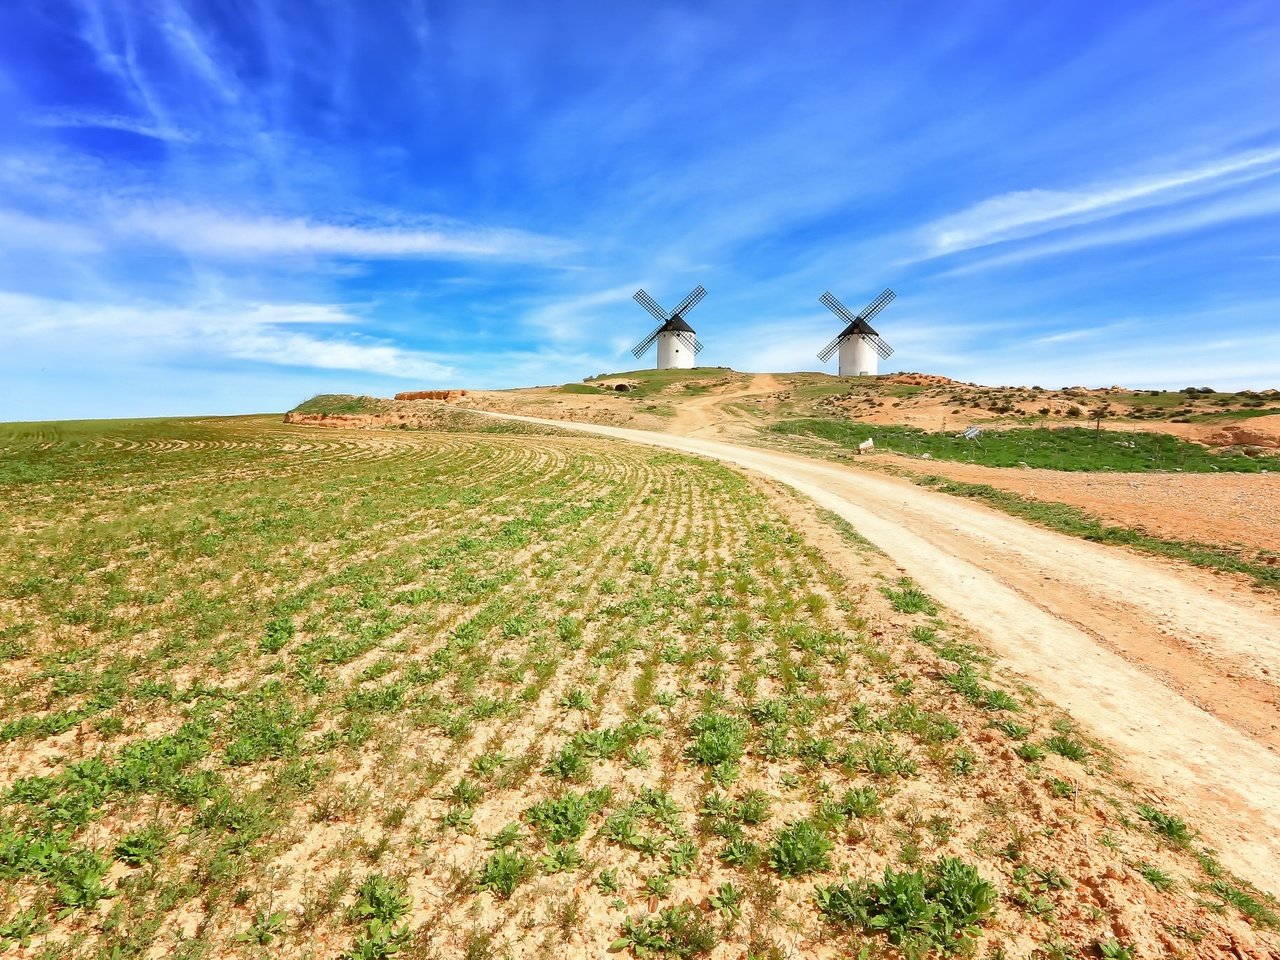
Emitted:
<point x="221" y="207"/>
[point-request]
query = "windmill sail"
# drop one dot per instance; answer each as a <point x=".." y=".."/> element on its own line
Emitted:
<point x="644" y="344"/>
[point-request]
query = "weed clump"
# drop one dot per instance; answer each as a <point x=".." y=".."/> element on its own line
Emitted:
<point x="503" y="872"/>
<point x="564" y="819"/>
<point x="938" y="907"/>
<point x="719" y="743"/>
<point x="1168" y="826"/>
<point x="909" y="598"/>
<point x="679" y="931"/>
<point x="800" y="848"/>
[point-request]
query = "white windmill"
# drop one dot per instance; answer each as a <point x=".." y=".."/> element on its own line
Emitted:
<point x="858" y="342"/>
<point x="677" y="345"/>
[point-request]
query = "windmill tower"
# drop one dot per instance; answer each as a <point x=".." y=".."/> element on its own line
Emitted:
<point x="677" y="345"/>
<point x="858" y="343"/>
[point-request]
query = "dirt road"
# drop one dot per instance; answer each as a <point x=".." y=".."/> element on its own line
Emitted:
<point x="708" y="414"/>
<point x="1179" y="673"/>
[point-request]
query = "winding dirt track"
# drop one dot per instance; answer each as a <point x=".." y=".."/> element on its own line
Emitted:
<point x="1178" y="671"/>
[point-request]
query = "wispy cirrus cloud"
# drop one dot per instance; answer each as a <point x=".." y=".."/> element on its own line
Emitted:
<point x="40" y="233"/>
<point x="213" y="232"/>
<point x="262" y="332"/>
<point x="1067" y="336"/>
<point x="1028" y="213"/>
<point x="284" y="348"/>
<point x="207" y="232"/>
<point x="69" y="119"/>
<point x="566" y="317"/>
<point x="1207" y="214"/>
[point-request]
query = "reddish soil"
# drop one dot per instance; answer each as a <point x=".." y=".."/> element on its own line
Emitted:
<point x="1232" y="508"/>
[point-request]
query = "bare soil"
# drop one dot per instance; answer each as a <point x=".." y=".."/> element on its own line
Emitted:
<point x="1232" y="508"/>
<point x="714" y="413"/>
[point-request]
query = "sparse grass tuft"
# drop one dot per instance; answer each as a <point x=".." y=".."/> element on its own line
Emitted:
<point x="1168" y="826"/>
<point x="910" y="599"/>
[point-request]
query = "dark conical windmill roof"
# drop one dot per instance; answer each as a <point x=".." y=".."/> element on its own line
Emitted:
<point x="676" y="325"/>
<point x="857" y="328"/>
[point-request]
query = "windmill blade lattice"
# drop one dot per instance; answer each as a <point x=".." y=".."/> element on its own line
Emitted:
<point x="876" y="305"/>
<point x="878" y="345"/>
<point x="689" y="302"/>
<point x="644" y="344"/>
<point x="838" y="308"/>
<point x="690" y="341"/>
<point x="652" y="306"/>
<point x="825" y="353"/>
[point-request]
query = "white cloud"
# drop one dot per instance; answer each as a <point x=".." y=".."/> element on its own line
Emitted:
<point x="1258" y="203"/>
<point x="1026" y="213"/>
<point x="45" y="329"/>
<point x="300" y="350"/>
<point x="103" y="121"/>
<point x="1065" y="337"/>
<point x="573" y="317"/>
<point x="21" y="231"/>
<point x="203" y="231"/>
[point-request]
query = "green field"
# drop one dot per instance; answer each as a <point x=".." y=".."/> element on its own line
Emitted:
<point x="287" y="691"/>
<point x="1060" y="448"/>
<point x="1226" y="416"/>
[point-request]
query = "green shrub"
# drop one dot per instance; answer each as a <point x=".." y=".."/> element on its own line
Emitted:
<point x="860" y="802"/>
<point x="718" y="742"/>
<point x="381" y="898"/>
<point x="81" y="876"/>
<point x="379" y="941"/>
<point x="1058" y="448"/>
<point x="1251" y="906"/>
<point x="908" y="599"/>
<point x="278" y="633"/>
<point x="1067" y="746"/>
<point x="753" y="808"/>
<point x="135" y="849"/>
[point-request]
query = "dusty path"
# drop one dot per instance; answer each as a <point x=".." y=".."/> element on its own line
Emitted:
<point x="707" y="414"/>
<point x="1179" y="674"/>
